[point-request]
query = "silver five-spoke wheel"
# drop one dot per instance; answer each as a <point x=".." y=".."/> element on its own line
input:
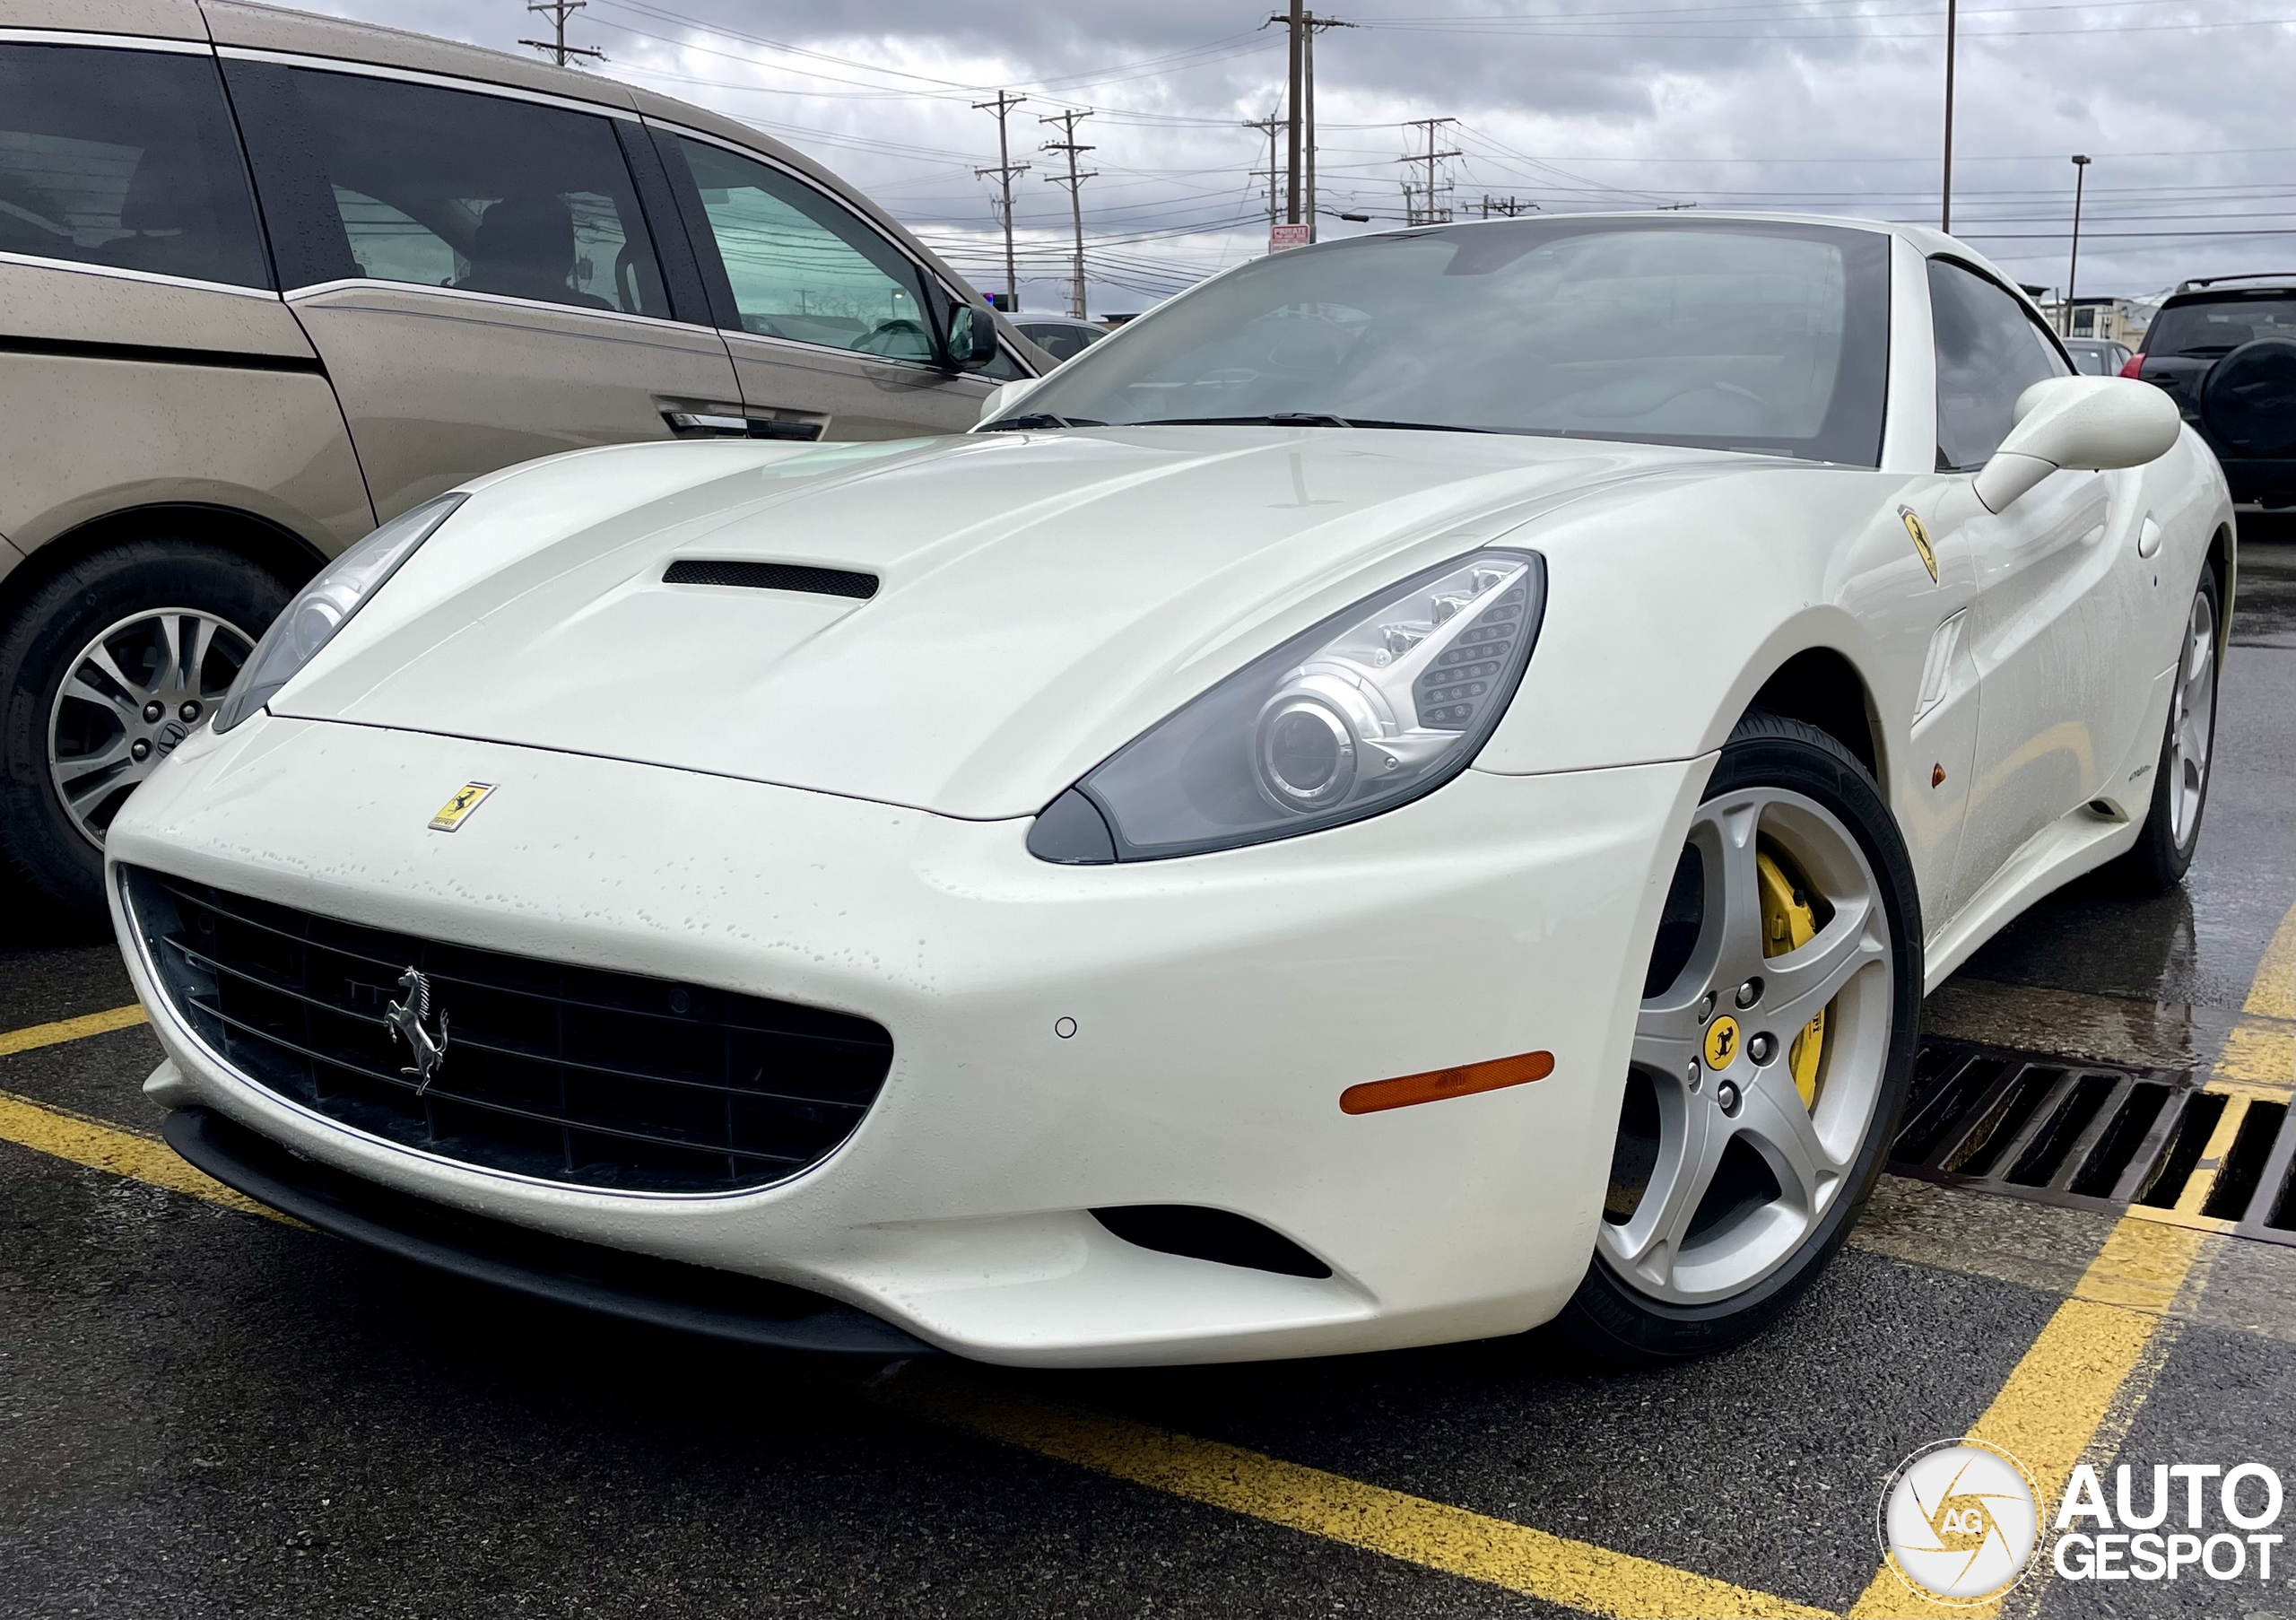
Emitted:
<point x="131" y="697"/>
<point x="1759" y="1065"/>
<point x="2192" y="720"/>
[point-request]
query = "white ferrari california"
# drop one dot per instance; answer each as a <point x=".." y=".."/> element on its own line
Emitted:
<point x="1414" y="792"/>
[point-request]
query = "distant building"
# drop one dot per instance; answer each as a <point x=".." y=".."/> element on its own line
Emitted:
<point x="2122" y="320"/>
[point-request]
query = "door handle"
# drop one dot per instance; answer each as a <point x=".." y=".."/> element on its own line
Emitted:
<point x="723" y="424"/>
<point x="2148" y="537"/>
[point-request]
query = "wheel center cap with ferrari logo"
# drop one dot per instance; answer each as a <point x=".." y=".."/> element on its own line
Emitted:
<point x="1722" y="1042"/>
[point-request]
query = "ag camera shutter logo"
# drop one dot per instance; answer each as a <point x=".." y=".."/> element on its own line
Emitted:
<point x="1960" y="1521"/>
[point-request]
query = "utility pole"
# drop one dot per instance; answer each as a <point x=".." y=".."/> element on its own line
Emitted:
<point x="1074" y="182"/>
<point x="557" y="11"/>
<point x="1312" y="26"/>
<point x="1297" y="22"/>
<point x="1270" y="127"/>
<point x="1428" y="210"/>
<point x="1507" y="206"/>
<point x="1004" y="170"/>
<point x="1300" y="188"/>
<point x="2072" y="270"/>
<point x="1945" y="205"/>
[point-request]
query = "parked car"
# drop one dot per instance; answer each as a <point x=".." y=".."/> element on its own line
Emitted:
<point x="266" y="279"/>
<point x="1415" y="791"/>
<point x="2097" y="356"/>
<point x="2224" y="347"/>
<point x="1062" y="336"/>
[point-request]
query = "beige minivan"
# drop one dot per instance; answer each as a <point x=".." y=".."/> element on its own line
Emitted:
<point x="268" y="279"/>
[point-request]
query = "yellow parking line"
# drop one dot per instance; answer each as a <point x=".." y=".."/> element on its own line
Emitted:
<point x="1494" y="1550"/>
<point x="2059" y="1396"/>
<point x="2202" y="1181"/>
<point x="107" y="1147"/>
<point x="1426" y="1533"/>
<point x="2260" y="1055"/>
<point x="68" y="1029"/>
<point x="2273" y="995"/>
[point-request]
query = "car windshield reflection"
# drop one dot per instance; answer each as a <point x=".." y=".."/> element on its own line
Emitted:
<point x="1729" y="334"/>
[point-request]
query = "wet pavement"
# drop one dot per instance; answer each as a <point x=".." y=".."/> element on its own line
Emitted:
<point x="205" y="1413"/>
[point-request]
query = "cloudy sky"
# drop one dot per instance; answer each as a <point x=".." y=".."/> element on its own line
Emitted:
<point x="1832" y="106"/>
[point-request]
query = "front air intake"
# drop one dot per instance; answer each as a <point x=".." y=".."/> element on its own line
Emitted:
<point x="772" y="576"/>
<point x="1218" y="1235"/>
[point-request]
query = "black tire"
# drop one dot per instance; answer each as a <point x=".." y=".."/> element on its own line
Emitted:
<point x="2159" y="860"/>
<point x="39" y="843"/>
<point x="1608" y="1319"/>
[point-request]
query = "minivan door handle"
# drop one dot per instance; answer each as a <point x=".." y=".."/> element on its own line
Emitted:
<point x="722" y="424"/>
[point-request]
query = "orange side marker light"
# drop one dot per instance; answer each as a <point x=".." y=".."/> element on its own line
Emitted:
<point x="1373" y="1095"/>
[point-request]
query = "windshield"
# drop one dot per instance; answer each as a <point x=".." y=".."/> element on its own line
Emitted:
<point x="2220" y="326"/>
<point x="1736" y="335"/>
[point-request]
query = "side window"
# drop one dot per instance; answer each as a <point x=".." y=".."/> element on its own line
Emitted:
<point x="450" y="189"/>
<point x="1988" y="351"/>
<point x="802" y="266"/>
<point x="124" y="158"/>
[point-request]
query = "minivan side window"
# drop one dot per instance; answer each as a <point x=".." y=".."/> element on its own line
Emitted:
<point x="803" y="268"/>
<point x="451" y="188"/>
<point x="125" y="159"/>
<point x="1988" y="351"/>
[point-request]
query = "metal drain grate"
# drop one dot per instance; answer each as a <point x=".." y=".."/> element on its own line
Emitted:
<point x="2095" y="1135"/>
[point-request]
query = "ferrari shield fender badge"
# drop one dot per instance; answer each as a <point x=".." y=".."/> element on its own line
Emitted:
<point x="407" y="1022"/>
<point x="1912" y="527"/>
<point x="467" y="798"/>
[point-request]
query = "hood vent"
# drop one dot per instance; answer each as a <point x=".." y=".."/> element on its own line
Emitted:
<point x="772" y="576"/>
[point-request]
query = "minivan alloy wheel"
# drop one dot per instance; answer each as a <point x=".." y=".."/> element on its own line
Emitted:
<point x="133" y="693"/>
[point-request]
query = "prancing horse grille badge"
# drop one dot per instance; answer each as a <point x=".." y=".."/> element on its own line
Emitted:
<point x="406" y="1019"/>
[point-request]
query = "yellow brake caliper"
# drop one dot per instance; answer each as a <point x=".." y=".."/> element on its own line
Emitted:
<point x="1788" y="923"/>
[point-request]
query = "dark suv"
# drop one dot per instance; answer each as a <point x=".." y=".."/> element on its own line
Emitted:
<point x="2224" y="347"/>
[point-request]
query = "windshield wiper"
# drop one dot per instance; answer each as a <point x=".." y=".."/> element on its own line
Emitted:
<point x="1039" y="419"/>
<point x="1302" y="419"/>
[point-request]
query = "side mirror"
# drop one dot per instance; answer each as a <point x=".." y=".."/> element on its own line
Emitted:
<point x="1004" y="395"/>
<point x="2089" y="422"/>
<point x="972" y="338"/>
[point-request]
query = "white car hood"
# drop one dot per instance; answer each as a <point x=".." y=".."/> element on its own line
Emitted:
<point x="1043" y="598"/>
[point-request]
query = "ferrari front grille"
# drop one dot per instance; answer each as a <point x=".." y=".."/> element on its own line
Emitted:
<point x="567" y="1073"/>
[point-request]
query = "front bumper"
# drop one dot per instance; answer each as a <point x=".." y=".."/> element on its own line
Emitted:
<point x="1218" y="1006"/>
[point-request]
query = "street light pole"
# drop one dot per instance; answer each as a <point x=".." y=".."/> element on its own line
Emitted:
<point x="2080" y="179"/>
<point x="1945" y="208"/>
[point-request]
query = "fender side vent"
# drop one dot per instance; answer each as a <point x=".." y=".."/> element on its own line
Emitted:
<point x="772" y="576"/>
<point x="1217" y="1235"/>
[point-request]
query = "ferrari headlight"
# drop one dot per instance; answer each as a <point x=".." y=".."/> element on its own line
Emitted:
<point x="1366" y="711"/>
<point x="326" y="605"/>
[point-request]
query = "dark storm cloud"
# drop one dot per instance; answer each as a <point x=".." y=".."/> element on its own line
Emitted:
<point x="1824" y="105"/>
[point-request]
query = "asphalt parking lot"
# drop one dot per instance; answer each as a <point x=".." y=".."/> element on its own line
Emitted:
<point x="207" y="1412"/>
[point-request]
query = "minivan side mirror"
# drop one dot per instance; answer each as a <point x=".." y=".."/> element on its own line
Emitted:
<point x="972" y="338"/>
<point x="2088" y="423"/>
